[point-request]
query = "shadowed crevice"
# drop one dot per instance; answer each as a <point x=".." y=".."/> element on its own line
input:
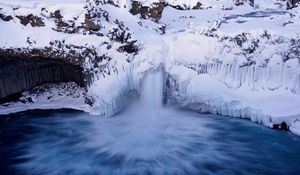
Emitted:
<point x="22" y="74"/>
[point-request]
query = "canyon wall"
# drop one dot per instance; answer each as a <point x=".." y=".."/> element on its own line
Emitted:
<point x="21" y="74"/>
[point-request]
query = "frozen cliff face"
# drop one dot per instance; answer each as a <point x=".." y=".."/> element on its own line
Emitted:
<point x="234" y="63"/>
<point x="258" y="62"/>
<point x="18" y="74"/>
<point x="86" y="34"/>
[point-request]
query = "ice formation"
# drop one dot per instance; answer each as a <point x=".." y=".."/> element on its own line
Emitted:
<point x="224" y="57"/>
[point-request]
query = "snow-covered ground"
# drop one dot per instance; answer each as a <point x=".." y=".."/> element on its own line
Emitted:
<point x="240" y="61"/>
<point x="50" y="96"/>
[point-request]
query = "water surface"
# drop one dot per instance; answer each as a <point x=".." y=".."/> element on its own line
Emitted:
<point x="146" y="138"/>
<point x="168" y="141"/>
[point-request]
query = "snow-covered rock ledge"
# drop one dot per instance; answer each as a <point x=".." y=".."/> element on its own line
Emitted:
<point x="253" y="75"/>
<point x="49" y="96"/>
<point x="205" y="93"/>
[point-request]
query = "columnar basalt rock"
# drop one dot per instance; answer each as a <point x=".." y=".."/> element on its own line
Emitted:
<point x="21" y="74"/>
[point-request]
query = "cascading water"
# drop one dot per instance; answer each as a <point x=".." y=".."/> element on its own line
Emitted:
<point x="152" y="89"/>
<point x="146" y="138"/>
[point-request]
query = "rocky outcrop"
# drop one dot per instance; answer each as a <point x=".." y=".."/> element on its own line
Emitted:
<point x="242" y="2"/>
<point x="60" y="61"/>
<point x="21" y="74"/>
<point x="291" y="3"/>
<point x="5" y="18"/>
<point x="153" y="12"/>
<point x="34" y="21"/>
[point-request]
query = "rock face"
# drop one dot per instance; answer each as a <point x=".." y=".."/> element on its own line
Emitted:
<point x="153" y="12"/>
<point x="34" y="21"/>
<point x="242" y="2"/>
<point x="94" y="34"/>
<point x="291" y="4"/>
<point x="21" y="74"/>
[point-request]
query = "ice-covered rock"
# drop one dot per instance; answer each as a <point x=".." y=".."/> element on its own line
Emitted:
<point x="295" y="127"/>
<point x="48" y="96"/>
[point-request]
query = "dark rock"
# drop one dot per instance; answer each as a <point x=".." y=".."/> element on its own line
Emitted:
<point x="89" y="24"/>
<point x="136" y="8"/>
<point x="89" y="101"/>
<point x="162" y="29"/>
<point x="178" y="7"/>
<point x="56" y="15"/>
<point x="251" y="2"/>
<point x="197" y="6"/>
<point x="240" y="39"/>
<point x="111" y="2"/>
<point x="75" y="55"/>
<point x="22" y="74"/>
<point x="291" y="4"/>
<point x="34" y="21"/>
<point x="63" y="26"/>
<point x="13" y="97"/>
<point x="29" y="99"/>
<point x="283" y="126"/>
<point x="6" y="18"/>
<point x="129" y="48"/>
<point x="119" y="35"/>
<point x="242" y="2"/>
<point x="154" y="11"/>
<point x="239" y="2"/>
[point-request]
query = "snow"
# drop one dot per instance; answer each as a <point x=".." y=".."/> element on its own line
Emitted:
<point x="209" y="73"/>
<point x="206" y="90"/>
<point x="51" y="96"/>
<point x="200" y="51"/>
<point x="295" y="128"/>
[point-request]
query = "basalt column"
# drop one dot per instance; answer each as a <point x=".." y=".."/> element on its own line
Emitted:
<point x="21" y="74"/>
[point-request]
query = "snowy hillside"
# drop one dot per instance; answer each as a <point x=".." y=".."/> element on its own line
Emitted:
<point x="236" y="58"/>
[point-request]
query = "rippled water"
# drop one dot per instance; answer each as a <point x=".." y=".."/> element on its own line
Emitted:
<point x="169" y="141"/>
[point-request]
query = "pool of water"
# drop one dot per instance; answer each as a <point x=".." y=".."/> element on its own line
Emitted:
<point x="168" y="141"/>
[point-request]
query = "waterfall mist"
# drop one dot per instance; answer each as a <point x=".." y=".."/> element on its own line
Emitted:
<point x="152" y="90"/>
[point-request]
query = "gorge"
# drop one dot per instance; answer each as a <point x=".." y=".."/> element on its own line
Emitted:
<point x="149" y="87"/>
<point x="145" y="138"/>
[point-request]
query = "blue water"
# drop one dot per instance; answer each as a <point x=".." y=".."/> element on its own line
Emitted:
<point x="171" y="142"/>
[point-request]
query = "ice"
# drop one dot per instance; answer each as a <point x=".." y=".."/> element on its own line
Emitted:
<point x="206" y="93"/>
<point x="295" y="127"/>
<point x="208" y="68"/>
<point x="256" y="77"/>
<point x="110" y="92"/>
<point x="49" y="96"/>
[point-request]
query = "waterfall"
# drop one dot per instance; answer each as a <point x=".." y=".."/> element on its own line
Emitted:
<point x="111" y="93"/>
<point x="152" y="89"/>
